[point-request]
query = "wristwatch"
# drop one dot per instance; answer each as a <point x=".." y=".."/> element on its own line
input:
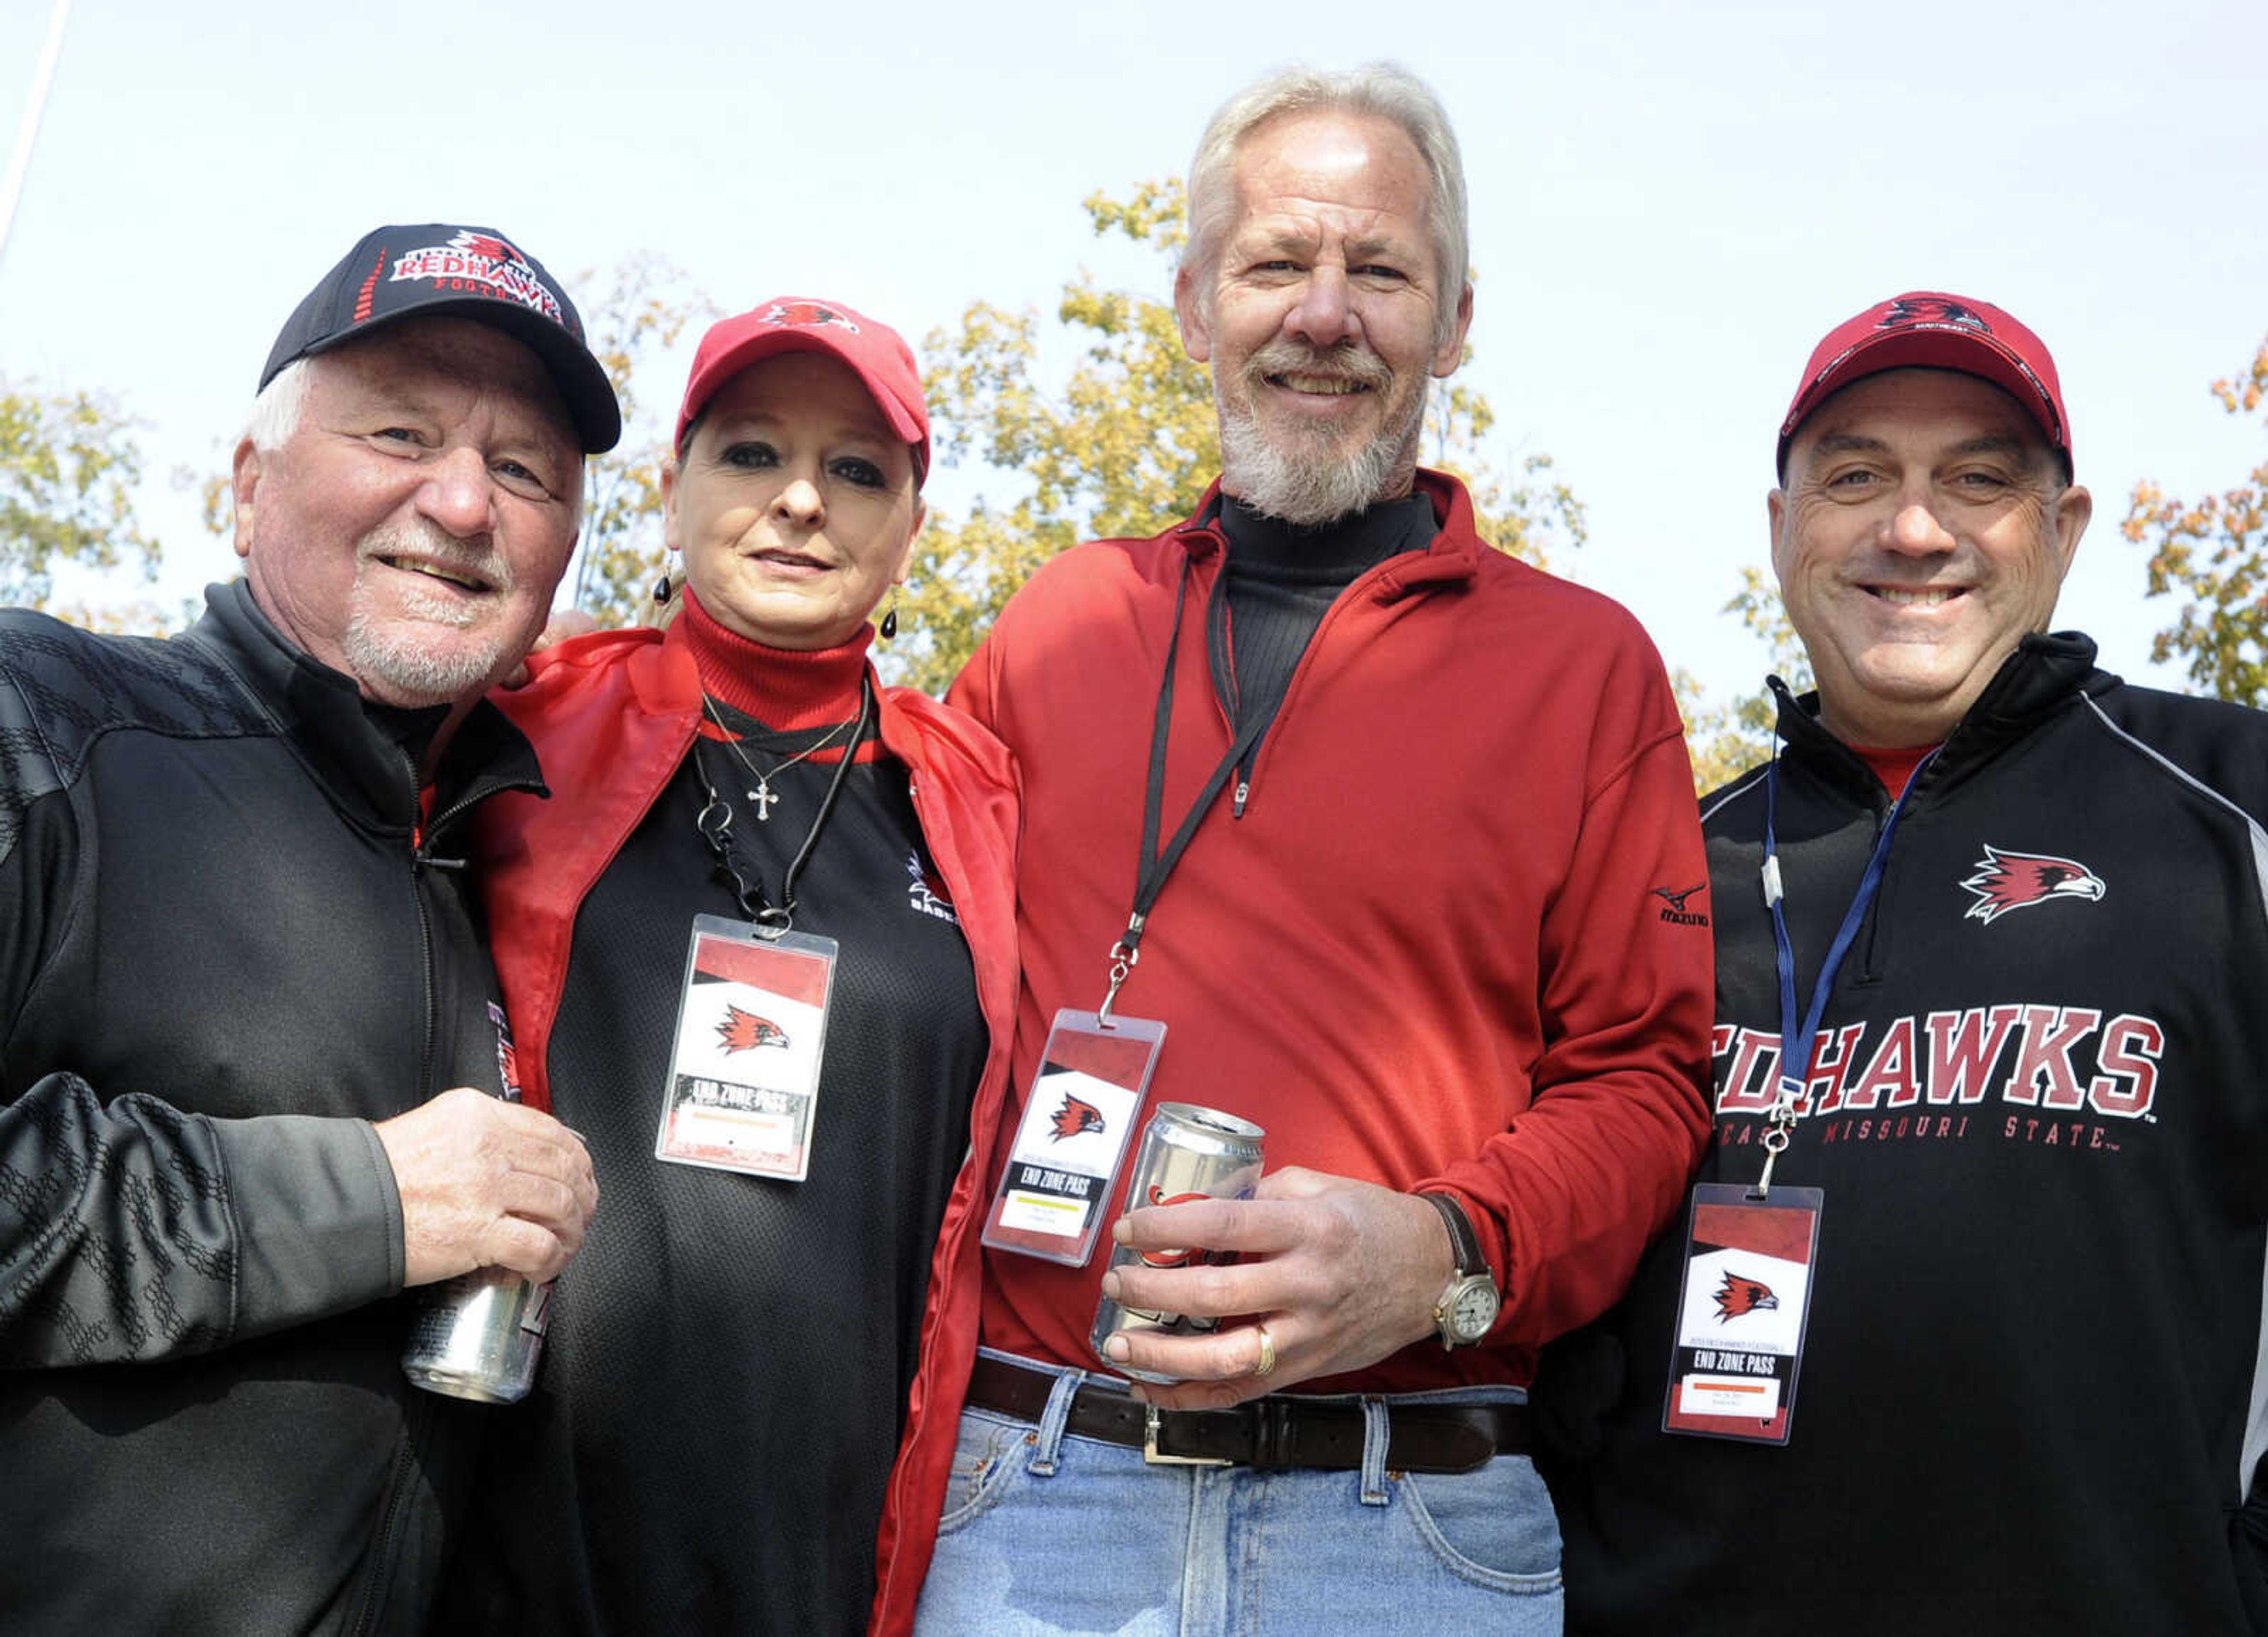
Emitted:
<point x="1469" y="1304"/>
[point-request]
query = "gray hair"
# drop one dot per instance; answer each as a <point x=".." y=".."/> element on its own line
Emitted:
<point x="275" y="412"/>
<point x="1385" y="90"/>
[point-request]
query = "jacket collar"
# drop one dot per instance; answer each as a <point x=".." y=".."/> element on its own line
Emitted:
<point x="358" y="752"/>
<point x="2044" y="676"/>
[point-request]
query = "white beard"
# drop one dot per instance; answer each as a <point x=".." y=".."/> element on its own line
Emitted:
<point x="404" y="658"/>
<point x="1308" y="486"/>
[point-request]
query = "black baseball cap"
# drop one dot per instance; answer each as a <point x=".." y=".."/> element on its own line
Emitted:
<point x="432" y="269"/>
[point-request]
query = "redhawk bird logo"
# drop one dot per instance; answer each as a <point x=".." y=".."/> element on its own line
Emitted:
<point x="741" y="1032"/>
<point x="1739" y="1294"/>
<point x="1075" y="1117"/>
<point x="806" y="314"/>
<point x="487" y="245"/>
<point x="1933" y="311"/>
<point x="2007" y="881"/>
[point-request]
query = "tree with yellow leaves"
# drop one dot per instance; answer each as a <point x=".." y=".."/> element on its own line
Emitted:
<point x="2215" y="550"/>
<point x="68" y="466"/>
<point x="644" y="311"/>
<point x="1726" y="741"/>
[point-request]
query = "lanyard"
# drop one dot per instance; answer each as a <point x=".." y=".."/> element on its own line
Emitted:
<point x="1796" y="1038"/>
<point x="1155" y="864"/>
<point x="714" y="824"/>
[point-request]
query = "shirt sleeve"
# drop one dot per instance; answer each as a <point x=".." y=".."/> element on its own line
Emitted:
<point x="133" y="1231"/>
<point x="1566" y="1199"/>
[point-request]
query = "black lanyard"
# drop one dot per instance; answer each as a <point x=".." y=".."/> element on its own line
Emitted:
<point x="1155" y="864"/>
<point x="1796" y="1036"/>
<point x="714" y="824"/>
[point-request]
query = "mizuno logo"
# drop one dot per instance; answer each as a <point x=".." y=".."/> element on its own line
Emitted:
<point x="1676" y="913"/>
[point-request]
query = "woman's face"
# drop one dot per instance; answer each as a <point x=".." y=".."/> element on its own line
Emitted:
<point x="793" y="503"/>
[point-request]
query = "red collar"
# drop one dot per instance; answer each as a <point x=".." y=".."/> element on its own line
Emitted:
<point x="1892" y="767"/>
<point x="783" y="688"/>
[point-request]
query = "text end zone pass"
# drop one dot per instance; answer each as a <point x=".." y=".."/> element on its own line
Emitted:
<point x="1078" y="1120"/>
<point x="743" y="1086"/>
<point x="1742" y="1312"/>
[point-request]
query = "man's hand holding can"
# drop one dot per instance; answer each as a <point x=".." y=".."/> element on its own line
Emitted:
<point x="1339" y="1272"/>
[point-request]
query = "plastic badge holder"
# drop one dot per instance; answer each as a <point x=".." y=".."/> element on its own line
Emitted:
<point x="1083" y="1108"/>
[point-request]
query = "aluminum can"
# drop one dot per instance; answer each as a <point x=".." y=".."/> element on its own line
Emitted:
<point x="479" y="1336"/>
<point x="1186" y="1153"/>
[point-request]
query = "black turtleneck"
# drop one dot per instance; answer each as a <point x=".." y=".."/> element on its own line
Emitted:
<point x="1281" y="578"/>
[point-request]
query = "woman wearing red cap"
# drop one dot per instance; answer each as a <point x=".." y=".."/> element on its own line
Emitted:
<point x="758" y="948"/>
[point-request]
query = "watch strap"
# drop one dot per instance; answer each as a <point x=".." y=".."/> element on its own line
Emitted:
<point x="1464" y="1244"/>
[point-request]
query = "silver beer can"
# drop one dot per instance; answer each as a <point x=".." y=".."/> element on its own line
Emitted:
<point x="1187" y="1153"/>
<point x="479" y="1336"/>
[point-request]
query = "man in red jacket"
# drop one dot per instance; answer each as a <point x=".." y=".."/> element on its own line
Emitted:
<point x="1394" y="837"/>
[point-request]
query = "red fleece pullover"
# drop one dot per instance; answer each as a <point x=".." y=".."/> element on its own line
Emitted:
<point x="1459" y="936"/>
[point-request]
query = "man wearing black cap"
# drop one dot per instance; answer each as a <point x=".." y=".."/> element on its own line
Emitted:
<point x="1963" y="1329"/>
<point x="252" y="1070"/>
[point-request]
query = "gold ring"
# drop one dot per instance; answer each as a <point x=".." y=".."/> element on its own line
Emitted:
<point x="1267" y="1364"/>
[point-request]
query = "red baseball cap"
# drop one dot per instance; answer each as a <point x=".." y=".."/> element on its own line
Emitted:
<point x="877" y="353"/>
<point x="1928" y="329"/>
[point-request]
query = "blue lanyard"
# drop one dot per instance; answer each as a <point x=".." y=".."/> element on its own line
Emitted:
<point x="1796" y="1038"/>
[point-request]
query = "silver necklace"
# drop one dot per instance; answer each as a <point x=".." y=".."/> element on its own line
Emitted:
<point x="761" y="796"/>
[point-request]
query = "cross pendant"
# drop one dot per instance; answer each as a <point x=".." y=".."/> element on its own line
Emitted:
<point x="762" y="797"/>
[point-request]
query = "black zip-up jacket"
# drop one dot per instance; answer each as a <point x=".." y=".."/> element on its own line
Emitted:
<point x="2034" y="1394"/>
<point x="226" y="946"/>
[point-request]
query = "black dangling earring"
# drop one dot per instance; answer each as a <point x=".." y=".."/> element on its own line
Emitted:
<point x="890" y="619"/>
<point x="661" y="591"/>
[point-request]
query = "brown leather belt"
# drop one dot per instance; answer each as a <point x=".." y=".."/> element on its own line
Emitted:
<point x="1280" y="1430"/>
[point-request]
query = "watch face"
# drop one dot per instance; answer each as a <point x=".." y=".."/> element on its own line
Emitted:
<point x="1473" y="1310"/>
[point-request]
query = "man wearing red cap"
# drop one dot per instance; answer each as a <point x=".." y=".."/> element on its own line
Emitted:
<point x="1963" y="1330"/>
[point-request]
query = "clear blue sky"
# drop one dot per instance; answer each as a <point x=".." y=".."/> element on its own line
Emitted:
<point x="1671" y="203"/>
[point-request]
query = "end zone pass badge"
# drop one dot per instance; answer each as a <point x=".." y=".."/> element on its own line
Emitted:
<point x="743" y="1085"/>
<point x="1741" y="1318"/>
<point x="1079" y="1118"/>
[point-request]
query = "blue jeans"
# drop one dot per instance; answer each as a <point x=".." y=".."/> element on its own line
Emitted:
<point x="1044" y="1534"/>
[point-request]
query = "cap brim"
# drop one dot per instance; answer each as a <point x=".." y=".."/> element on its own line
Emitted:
<point x="771" y="343"/>
<point x="581" y="380"/>
<point x="1962" y="352"/>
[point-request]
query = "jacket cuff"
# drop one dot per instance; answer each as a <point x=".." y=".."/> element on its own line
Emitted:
<point x="318" y="1217"/>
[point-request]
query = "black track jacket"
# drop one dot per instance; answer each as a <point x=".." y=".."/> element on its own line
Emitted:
<point x="2034" y="1397"/>
<point x="223" y="952"/>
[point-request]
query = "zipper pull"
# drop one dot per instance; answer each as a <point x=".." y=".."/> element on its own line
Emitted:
<point x="1243" y="790"/>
